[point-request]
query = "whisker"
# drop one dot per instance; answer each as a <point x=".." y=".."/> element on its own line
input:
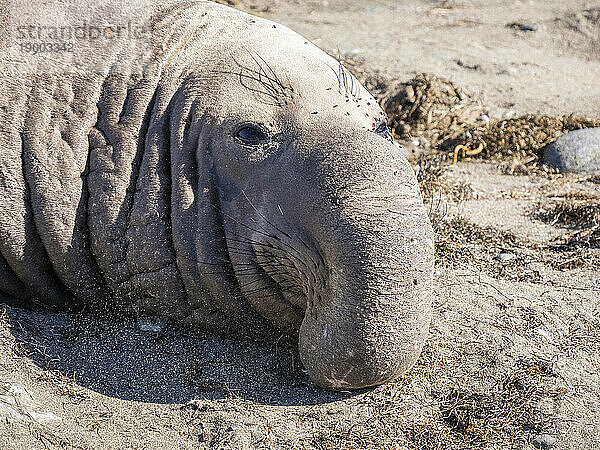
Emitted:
<point x="266" y="220"/>
<point x="264" y="233"/>
<point x="277" y="80"/>
<point x="270" y="246"/>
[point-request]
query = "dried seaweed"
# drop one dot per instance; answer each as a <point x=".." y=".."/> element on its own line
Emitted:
<point x="581" y="216"/>
<point x="522" y="138"/>
<point x="429" y="106"/>
<point x="446" y="118"/>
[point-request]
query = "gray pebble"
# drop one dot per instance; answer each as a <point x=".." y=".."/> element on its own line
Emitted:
<point x="577" y="151"/>
<point x="529" y="27"/>
<point x="505" y="257"/>
<point x="544" y="441"/>
<point x="522" y="26"/>
<point x="155" y="325"/>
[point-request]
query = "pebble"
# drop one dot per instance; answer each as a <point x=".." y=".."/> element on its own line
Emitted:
<point x="527" y="27"/>
<point x="523" y="26"/>
<point x="154" y="325"/>
<point x="466" y="65"/>
<point x="544" y="333"/>
<point x="577" y="152"/>
<point x="544" y="441"/>
<point x="505" y="257"/>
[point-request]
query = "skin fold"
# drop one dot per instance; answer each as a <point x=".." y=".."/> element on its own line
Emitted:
<point x="227" y="173"/>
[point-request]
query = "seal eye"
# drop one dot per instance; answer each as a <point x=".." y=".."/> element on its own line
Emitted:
<point x="382" y="129"/>
<point x="250" y="135"/>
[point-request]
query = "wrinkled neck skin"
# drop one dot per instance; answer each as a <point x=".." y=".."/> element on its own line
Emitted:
<point x="319" y="227"/>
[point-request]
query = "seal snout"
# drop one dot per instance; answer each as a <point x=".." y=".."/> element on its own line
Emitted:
<point x="340" y="359"/>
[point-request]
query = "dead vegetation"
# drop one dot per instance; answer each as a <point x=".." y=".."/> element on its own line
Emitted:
<point x="454" y="123"/>
<point x="461" y="244"/>
<point x="580" y="214"/>
<point x="503" y="412"/>
<point x="429" y="106"/>
<point x="455" y="412"/>
<point x="522" y="138"/>
<point x="572" y="211"/>
<point x="433" y="181"/>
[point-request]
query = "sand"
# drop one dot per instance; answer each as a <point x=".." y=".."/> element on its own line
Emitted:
<point x="512" y="359"/>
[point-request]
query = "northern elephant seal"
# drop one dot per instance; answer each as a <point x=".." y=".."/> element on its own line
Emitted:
<point x="221" y="171"/>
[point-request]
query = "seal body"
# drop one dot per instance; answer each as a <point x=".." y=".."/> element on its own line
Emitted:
<point x="223" y="173"/>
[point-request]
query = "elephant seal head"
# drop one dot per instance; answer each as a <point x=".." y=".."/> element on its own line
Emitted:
<point x="304" y="207"/>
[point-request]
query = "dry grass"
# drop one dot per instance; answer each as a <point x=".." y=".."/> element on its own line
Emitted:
<point x="433" y="181"/>
<point x="589" y="238"/>
<point x="455" y="412"/>
<point x="462" y="244"/>
<point x="581" y="215"/>
<point x="571" y="212"/>
<point x="475" y="405"/>
<point x="501" y="413"/>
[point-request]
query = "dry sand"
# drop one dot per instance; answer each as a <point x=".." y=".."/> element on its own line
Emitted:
<point x="512" y="360"/>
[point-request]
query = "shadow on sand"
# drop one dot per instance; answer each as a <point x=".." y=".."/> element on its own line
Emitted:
<point x="170" y="366"/>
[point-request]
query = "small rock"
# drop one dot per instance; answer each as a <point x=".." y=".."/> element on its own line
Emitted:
<point x="544" y="333"/>
<point x="154" y="325"/>
<point x="505" y="257"/>
<point x="529" y="27"/>
<point x="577" y="151"/>
<point x="544" y="441"/>
<point x="466" y="65"/>
<point x="523" y="26"/>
